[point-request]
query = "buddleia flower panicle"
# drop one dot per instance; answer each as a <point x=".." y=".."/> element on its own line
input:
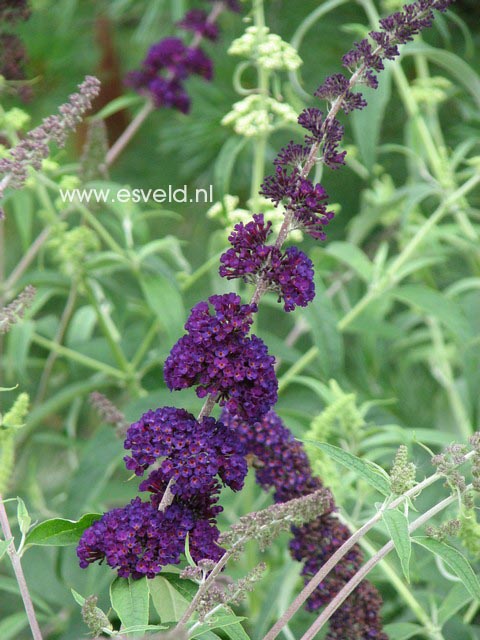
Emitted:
<point x="219" y="359"/>
<point x="170" y="62"/>
<point x="196" y="20"/>
<point x="288" y="273"/>
<point x="139" y="540"/>
<point x="109" y="412"/>
<point x="189" y="459"/>
<point x="15" y="311"/>
<point x="192" y="453"/>
<point x="282" y="464"/>
<point x="12" y="11"/>
<point x="34" y="147"/>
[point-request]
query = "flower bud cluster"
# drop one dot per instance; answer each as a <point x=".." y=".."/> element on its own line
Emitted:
<point x="266" y="49"/>
<point x="258" y="115"/>
<point x="402" y="475"/>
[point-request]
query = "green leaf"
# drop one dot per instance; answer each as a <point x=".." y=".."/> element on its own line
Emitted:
<point x="217" y="622"/>
<point x="397" y="526"/>
<point x="368" y="471"/>
<point x="4" y="544"/>
<point x="402" y="630"/>
<point x="24" y="520"/>
<point x="454" y="560"/>
<point x="10" y="585"/>
<point x="12" y="626"/>
<point x="323" y="319"/>
<point x="367" y="123"/>
<point x="353" y="257"/>
<point x="79" y="599"/>
<point x="165" y="301"/>
<point x="168" y="601"/>
<point x="457" y="598"/>
<point x="459" y="69"/>
<point x="119" y="104"/>
<point x="186" y="588"/>
<point x="101" y="454"/>
<point x="60" y="532"/>
<point x="225" y="163"/>
<point x="236" y="632"/>
<point x="436" y="304"/>
<point x="130" y="600"/>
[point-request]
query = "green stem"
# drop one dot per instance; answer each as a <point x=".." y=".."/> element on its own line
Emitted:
<point x="143" y="348"/>
<point x="62" y="327"/>
<point x="19" y="575"/>
<point x="447" y="380"/>
<point x="401" y="588"/>
<point x="109" y="330"/>
<point x="200" y="272"/>
<point x="392" y="277"/>
<point x="70" y="354"/>
<point x="261" y="140"/>
<point x="101" y="231"/>
<point x="308" y="357"/>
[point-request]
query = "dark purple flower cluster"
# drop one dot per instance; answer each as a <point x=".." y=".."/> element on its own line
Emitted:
<point x="282" y="465"/>
<point x="291" y="185"/>
<point x="167" y="64"/>
<point x="12" y="50"/>
<point x="196" y="20"/>
<point x="143" y="537"/>
<point x="193" y="452"/>
<point x="14" y="10"/>
<point x="306" y="200"/>
<point x="170" y="62"/>
<point x="338" y="85"/>
<point x="219" y="359"/>
<point x="400" y="27"/>
<point x="289" y="273"/>
<point x="139" y="540"/>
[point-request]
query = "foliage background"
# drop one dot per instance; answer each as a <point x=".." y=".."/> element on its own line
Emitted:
<point x="411" y="359"/>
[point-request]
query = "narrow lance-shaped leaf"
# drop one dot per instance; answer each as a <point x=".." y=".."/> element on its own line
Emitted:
<point x="454" y="560"/>
<point x="397" y="526"/>
<point x="368" y="471"/>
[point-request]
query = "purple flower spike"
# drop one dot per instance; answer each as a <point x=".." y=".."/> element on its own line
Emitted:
<point x="282" y="465"/>
<point x="337" y="87"/>
<point x="293" y="274"/>
<point x="138" y="540"/>
<point x="249" y="252"/>
<point x="218" y="358"/>
<point x="197" y="62"/>
<point x="196" y="20"/>
<point x="307" y="201"/>
<point x="193" y="452"/>
<point x="169" y="54"/>
<point x="290" y="274"/>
